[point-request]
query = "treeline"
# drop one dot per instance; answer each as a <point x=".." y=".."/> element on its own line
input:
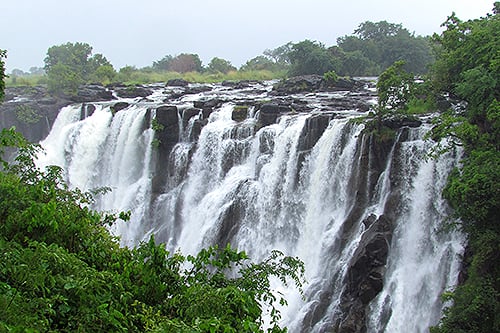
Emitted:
<point x="371" y="49"/>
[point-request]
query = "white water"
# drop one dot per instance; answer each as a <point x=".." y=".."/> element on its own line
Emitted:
<point x="254" y="190"/>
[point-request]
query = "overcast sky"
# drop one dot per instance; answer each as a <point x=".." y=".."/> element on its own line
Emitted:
<point x="138" y="32"/>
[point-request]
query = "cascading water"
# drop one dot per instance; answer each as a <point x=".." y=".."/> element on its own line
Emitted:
<point x="364" y="216"/>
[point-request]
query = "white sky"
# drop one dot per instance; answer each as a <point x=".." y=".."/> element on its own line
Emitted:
<point x="138" y="32"/>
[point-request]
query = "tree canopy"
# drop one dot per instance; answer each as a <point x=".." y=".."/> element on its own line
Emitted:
<point x="72" y="64"/>
<point x="468" y="67"/>
<point x="378" y="45"/>
<point x="61" y="270"/>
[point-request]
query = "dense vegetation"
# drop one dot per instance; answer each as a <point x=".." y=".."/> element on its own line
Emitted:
<point x="369" y="51"/>
<point x="61" y="270"/>
<point x="468" y="67"/>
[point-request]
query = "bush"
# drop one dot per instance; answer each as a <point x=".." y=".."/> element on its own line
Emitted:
<point x="61" y="270"/>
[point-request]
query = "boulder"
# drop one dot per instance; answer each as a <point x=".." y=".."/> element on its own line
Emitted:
<point x="119" y="106"/>
<point x="133" y="92"/>
<point x="299" y="84"/>
<point x="197" y="89"/>
<point x="240" y="113"/>
<point x="365" y="276"/>
<point x="398" y="121"/>
<point x="177" y="83"/>
<point x="188" y="114"/>
<point x="92" y="93"/>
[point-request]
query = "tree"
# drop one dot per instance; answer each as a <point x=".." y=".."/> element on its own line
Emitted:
<point x="61" y="270"/>
<point x="384" y="43"/>
<point x="259" y="63"/>
<point x="309" y="57"/>
<point x="280" y="55"/>
<point x="163" y="64"/>
<point x="395" y="87"/>
<point x="70" y="65"/>
<point x="184" y="63"/>
<point x="218" y="65"/>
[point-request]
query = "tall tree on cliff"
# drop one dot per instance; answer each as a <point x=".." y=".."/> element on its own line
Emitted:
<point x="70" y="65"/>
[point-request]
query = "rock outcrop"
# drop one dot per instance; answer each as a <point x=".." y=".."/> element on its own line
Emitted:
<point x="365" y="277"/>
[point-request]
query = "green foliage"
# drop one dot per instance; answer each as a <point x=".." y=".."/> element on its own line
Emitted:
<point x="70" y="65"/>
<point x="330" y="77"/>
<point x="156" y="125"/>
<point x="473" y="190"/>
<point x="218" y="65"/>
<point x="376" y="46"/>
<point x="309" y="57"/>
<point x="27" y="115"/>
<point x="467" y="66"/>
<point x="61" y="270"/>
<point x="395" y="87"/>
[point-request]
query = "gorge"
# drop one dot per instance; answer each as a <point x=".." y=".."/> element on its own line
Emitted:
<point x="285" y="167"/>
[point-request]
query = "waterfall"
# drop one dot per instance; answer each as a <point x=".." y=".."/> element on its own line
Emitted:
<point x="365" y="216"/>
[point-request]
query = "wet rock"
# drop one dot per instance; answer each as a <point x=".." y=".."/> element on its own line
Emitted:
<point x="210" y="103"/>
<point x="240" y="113"/>
<point x="87" y="110"/>
<point x="119" y="106"/>
<point x="206" y="112"/>
<point x="197" y="89"/>
<point x="92" y="93"/>
<point x="365" y="276"/>
<point x="133" y="92"/>
<point x="31" y="110"/>
<point x="313" y="129"/>
<point x="177" y="83"/>
<point x="269" y="113"/>
<point x="398" y="121"/>
<point x="299" y="84"/>
<point x="165" y="139"/>
<point x="188" y="114"/>
<point x="198" y="124"/>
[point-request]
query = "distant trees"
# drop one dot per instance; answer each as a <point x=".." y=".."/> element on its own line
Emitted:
<point x="369" y="51"/>
<point x="182" y="63"/>
<point x="72" y="64"/>
<point x="376" y="46"/>
<point x="218" y="65"/>
<point x="310" y="57"/>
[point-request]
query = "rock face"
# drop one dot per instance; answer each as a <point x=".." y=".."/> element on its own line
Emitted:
<point x="92" y="93"/>
<point x="365" y="273"/>
<point x="269" y="113"/>
<point x="133" y="92"/>
<point x="298" y="84"/>
<point x="31" y="110"/>
<point x="311" y="83"/>
<point x="165" y="137"/>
